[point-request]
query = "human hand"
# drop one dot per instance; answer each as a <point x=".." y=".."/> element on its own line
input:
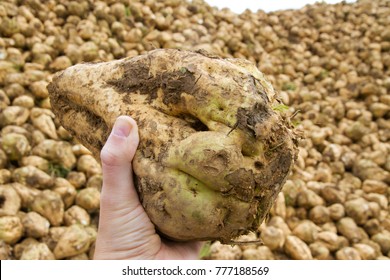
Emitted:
<point x="125" y="230"/>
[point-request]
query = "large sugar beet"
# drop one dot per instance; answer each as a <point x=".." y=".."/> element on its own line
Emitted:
<point x="213" y="153"/>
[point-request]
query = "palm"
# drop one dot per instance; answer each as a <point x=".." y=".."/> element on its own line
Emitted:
<point x="125" y="230"/>
<point x="135" y="237"/>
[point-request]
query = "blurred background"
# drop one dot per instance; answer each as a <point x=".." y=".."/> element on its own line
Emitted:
<point x="329" y="63"/>
<point x="238" y="6"/>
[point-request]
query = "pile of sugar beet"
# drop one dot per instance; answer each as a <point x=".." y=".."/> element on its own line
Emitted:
<point x="328" y="63"/>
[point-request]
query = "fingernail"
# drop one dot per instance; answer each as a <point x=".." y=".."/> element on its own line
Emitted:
<point x="122" y="127"/>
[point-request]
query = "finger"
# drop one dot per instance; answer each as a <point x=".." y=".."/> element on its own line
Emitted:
<point x="116" y="156"/>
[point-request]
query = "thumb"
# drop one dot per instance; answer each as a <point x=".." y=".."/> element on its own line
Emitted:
<point x="116" y="157"/>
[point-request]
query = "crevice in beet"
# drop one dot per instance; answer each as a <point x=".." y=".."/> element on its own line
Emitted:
<point x="199" y="126"/>
<point x="259" y="165"/>
<point x="2" y="200"/>
<point x="194" y="122"/>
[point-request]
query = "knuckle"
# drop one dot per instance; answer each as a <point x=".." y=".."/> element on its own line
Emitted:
<point x="109" y="157"/>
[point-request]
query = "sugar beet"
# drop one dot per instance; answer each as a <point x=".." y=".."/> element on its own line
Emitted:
<point x="214" y="149"/>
